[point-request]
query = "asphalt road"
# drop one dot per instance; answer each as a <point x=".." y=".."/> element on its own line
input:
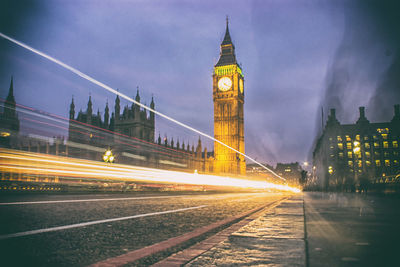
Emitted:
<point x="78" y="230"/>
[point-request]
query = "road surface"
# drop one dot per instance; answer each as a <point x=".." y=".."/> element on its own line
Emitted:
<point x="78" y="230"/>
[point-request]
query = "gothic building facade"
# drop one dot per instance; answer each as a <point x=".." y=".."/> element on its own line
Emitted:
<point x="228" y="97"/>
<point x="134" y="121"/>
<point x="355" y="156"/>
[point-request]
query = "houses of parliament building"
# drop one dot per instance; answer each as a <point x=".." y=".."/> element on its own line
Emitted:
<point x="129" y="131"/>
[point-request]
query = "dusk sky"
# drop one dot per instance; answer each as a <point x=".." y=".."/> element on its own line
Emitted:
<point x="290" y="52"/>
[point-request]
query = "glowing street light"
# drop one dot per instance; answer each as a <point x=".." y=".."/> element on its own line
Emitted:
<point x="108" y="156"/>
<point x="330" y="169"/>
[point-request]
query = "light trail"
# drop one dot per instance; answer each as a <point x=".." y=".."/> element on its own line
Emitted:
<point x="14" y="161"/>
<point x="87" y="77"/>
<point x="65" y="227"/>
<point x="83" y="200"/>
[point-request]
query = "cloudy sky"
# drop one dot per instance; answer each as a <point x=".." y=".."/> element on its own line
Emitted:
<point x="296" y="55"/>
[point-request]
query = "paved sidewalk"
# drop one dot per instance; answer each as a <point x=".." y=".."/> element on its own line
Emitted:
<point x="342" y="229"/>
<point x="276" y="238"/>
<point x="348" y="229"/>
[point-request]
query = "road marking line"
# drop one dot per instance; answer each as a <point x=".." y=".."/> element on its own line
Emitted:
<point x="349" y="259"/>
<point x="362" y="244"/>
<point x="82" y="200"/>
<point x="64" y="227"/>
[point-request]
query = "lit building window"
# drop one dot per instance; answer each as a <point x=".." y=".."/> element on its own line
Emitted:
<point x="358" y="155"/>
<point x="376" y="144"/>
<point x="348" y="138"/>
<point x="350" y="163"/>
<point x="330" y="138"/>
<point x="350" y="154"/>
<point x="375" y="137"/>
<point x="382" y="130"/>
<point x="367" y="154"/>
<point x="359" y="163"/>
<point x="385" y="144"/>
<point x="387" y="162"/>
<point x="396" y="162"/>
<point x="368" y="163"/>
<point x="339" y="138"/>
<point x="384" y="136"/>
<point x="348" y="145"/>
<point x="340" y="146"/>
<point x="358" y="137"/>
<point x="366" y="145"/>
<point x="378" y="163"/>
<point x="340" y="154"/>
<point x="395" y="144"/>
<point x="365" y="138"/>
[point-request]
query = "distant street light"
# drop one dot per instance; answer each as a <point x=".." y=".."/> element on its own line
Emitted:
<point x="108" y="156"/>
<point x="330" y="169"/>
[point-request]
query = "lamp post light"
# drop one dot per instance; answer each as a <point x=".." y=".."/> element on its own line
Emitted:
<point x="357" y="152"/>
<point x="330" y="170"/>
<point x="108" y="156"/>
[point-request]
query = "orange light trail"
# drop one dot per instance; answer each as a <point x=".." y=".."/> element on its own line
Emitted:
<point x="14" y="161"/>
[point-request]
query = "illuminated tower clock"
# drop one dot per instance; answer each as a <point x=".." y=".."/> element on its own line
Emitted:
<point x="228" y="96"/>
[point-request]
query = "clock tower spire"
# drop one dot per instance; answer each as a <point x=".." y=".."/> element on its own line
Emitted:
<point x="228" y="97"/>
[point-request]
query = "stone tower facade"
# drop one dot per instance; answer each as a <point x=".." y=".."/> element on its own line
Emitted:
<point x="228" y="97"/>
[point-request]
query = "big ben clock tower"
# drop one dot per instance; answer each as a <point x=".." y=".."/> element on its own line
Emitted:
<point x="228" y="97"/>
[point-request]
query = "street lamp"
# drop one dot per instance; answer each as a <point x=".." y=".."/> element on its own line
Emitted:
<point x="108" y="156"/>
<point x="330" y="169"/>
<point x="357" y="151"/>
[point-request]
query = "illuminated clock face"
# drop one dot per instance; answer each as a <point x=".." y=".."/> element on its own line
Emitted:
<point x="224" y="84"/>
<point x="241" y="86"/>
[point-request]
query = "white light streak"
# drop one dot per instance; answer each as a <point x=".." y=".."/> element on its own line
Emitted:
<point x="64" y="227"/>
<point x="87" y="77"/>
<point x="83" y="200"/>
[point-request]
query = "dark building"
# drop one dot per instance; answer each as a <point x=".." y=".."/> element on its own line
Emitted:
<point x="290" y="171"/>
<point x="357" y="156"/>
<point x="134" y="122"/>
<point x="9" y="122"/>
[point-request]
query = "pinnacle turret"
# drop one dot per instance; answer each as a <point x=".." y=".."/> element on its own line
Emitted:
<point x="227" y="54"/>
<point x="227" y="38"/>
<point x="72" y="109"/>
<point x="10" y="96"/>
